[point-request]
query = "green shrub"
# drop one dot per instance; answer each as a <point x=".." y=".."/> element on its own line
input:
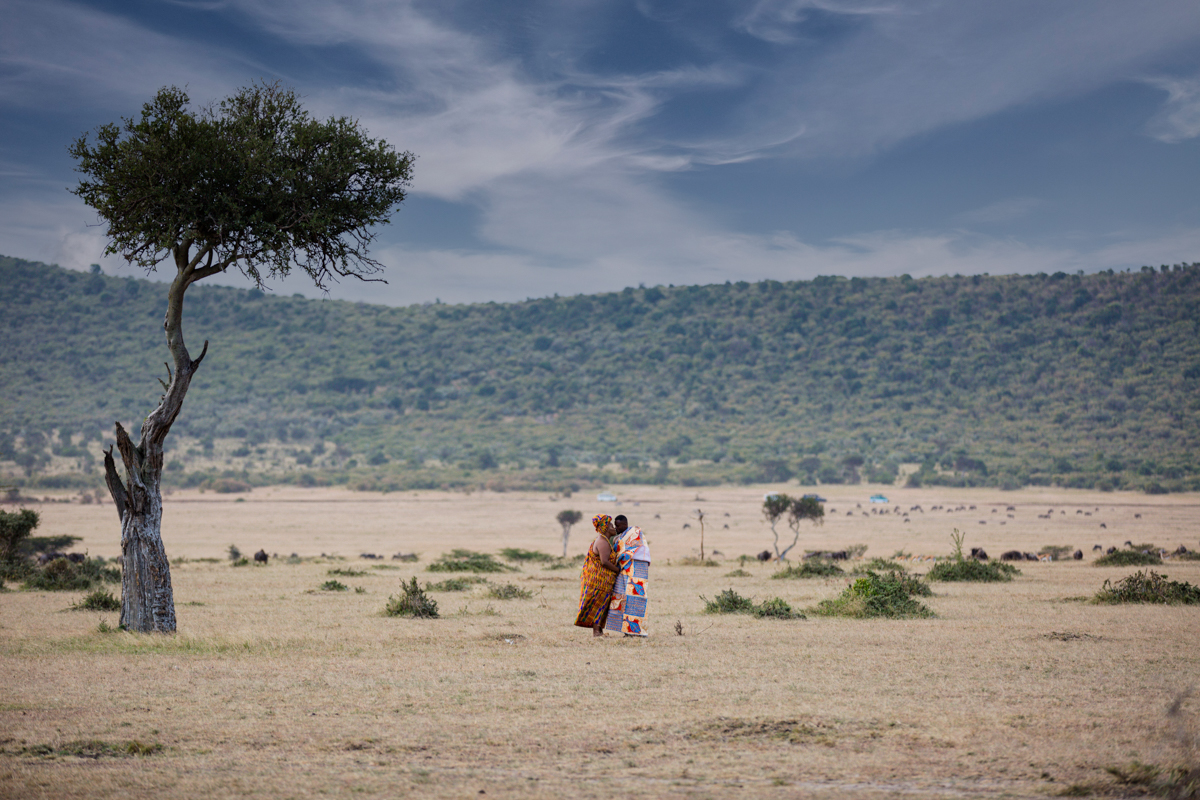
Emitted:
<point x="1056" y="551"/>
<point x="241" y="562"/>
<point x="468" y="561"/>
<point x="971" y="570"/>
<point x="98" y="600"/>
<point x="454" y="584"/>
<point x="776" y="608"/>
<point x="878" y="565"/>
<point x="1128" y="558"/>
<point x="63" y="575"/>
<point x="334" y="586"/>
<point x="412" y="602"/>
<point x="15" y="528"/>
<point x="509" y="592"/>
<point x="517" y="554"/>
<point x="1143" y="587"/>
<point x="875" y="594"/>
<point x="728" y="602"/>
<point x="738" y="573"/>
<point x="814" y="568"/>
<point x="347" y="573"/>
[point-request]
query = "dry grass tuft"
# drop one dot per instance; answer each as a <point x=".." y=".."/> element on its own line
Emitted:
<point x="98" y="600"/>
<point x="412" y="602"/>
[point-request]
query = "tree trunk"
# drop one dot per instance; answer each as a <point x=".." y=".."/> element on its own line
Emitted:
<point x="147" y="601"/>
<point x="566" y="537"/>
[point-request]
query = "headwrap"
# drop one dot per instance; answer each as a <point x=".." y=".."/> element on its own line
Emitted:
<point x="602" y="523"/>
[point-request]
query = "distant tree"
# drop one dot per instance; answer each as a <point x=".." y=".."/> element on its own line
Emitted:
<point x="774" y="507"/>
<point x="15" y="527"/>
<point x="700" y="517"/>
<point x="253" y="183"/>
<point x="797" y="509"/>
<point x="567" y="519"/>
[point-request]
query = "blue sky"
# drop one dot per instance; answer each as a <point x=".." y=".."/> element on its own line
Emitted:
<point x="569" y="147"/>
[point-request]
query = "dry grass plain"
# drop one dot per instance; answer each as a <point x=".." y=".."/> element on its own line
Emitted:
<point x="271" y="689"/>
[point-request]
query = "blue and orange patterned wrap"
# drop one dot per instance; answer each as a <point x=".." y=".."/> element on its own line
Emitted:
<point x="627" y="611"/>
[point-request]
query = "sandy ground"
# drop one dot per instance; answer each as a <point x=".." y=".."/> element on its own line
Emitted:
<point x="273" y="688"/>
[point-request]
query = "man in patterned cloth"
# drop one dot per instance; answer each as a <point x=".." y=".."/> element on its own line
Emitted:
<point x="627" y="612"/>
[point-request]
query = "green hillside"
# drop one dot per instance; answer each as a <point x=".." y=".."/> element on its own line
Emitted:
<point x="1068" y="379"/>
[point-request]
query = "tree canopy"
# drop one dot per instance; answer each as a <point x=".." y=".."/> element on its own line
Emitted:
<point x="254" y="182"/>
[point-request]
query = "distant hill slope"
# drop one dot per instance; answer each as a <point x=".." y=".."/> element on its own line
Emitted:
<point x="1071" y="379"/>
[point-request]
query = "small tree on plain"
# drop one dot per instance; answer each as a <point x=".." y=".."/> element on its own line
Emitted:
<point x="774" y="507"/>
<point x="801" y="509"/>
<point x="253" y="183"/>
<point x="15" y="528"/>
<point x="567" y="519"/>
<point x="700" y="517"/>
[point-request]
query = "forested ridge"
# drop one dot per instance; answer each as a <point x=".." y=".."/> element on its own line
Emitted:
<point x="1078" y="380"/>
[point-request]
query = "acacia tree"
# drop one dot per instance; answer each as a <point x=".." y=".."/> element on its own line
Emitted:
<point x="568" y="518"/>
<point x="797" y="509"/>
<point x="254" y="184"/>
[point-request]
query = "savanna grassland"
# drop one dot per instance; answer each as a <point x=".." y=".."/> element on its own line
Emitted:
<point x="274" y="687"/>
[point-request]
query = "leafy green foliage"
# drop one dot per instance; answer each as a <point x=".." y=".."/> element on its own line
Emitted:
<point x="812" y="568"/>
<point x="730" y="602"/>
<point x="809" y="373"/>
<point x="455" y="584"/>
<point x="517" y="554"/>
<point x="1128" y="558"/>
<point x="411" y="602"/>
<point x="888" y="594"/>
<point x="15" y="529"/>
<point x="971" y="570"/>
<point x="878" y="565"/>
<point x="334" y="585"/>
<point x="509" y="592"/>
<point x="460" y="560"/>
<point x="98" y="600"/>
<point x="63" y="575"/>
<point x="254" y="181"/>
<point x="1148" y="587"/>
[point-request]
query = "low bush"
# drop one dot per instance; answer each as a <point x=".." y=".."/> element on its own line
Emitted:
<point x="509" y="592"/>
<point x="776" y="608"/>
<point x="738" y="573"/>
<point x="692" y="561"/>
<point x="468" y="561"/>
<point x="64" y="575"/>
<point x="98" y="600"/>
<point x="1056" y="551"/>
<point x="730" y="602"/>
<point x="454" y="584"/>
<point x="878" y="565"/>
<point x="347" y="573"/>
<point x="888" y="594"/>
<point x="1148" y="587"/>
<point x="517" y="554"/>
<point x="1128" y="558"/>
<point x="334" y="586"/>
<point x="971" y="570"/>
<point x="411" y="602"/>
<point x="814" y="568"/>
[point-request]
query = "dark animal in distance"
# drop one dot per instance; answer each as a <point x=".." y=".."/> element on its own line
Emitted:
<point x="1012" y="555"/>
<point x="404" y="557"/>
<point x="765" y="555"/>
<point x="1102" y="525"/>
<point x="685" y="525"/>
<point x="1077" y="555"/>
<point x="261" y="556"/>
<point x="1110" y="551"/>
<point x="370" y="556"/>
<point x="1097" y="547"/>
<point x="979" y="553"/>
<point x="1031" y="557"/>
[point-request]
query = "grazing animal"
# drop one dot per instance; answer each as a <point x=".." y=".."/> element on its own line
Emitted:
<point x="1137" y="516"/>
<point x="1102" y="525"/>
<point x="1032" y="557"/>
<point x="726" y="526"/>
<point x="979" y="553"/>
<point x="727" y="513"/>
<point x="1181" y="551"/>
<point x="1129" y="544"/>
<point x="404" y="557"/>
<point x="1097" y="547"/>
<point x="685" y="525"/>
<point x="261" y="556"/>
<point x="656" y="516"/>
<point x="1045" y="557"/>
<point x="369" y="556"/>
<point x="77" y="558"/>
<point x="46" y="558"/>
<point x="1077" y="555"/>
<point x="1110" y="551"/>
<point x="765" y="555"/>
<point x="1012" y="555"/>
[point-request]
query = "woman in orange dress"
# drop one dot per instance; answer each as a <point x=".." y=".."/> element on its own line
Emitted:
<point x="597" y="578"/>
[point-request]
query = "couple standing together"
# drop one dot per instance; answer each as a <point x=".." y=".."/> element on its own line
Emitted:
<point x="612" y="587"/>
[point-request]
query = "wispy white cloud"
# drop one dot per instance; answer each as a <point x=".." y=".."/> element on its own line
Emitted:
<point x="1179" y="118"/>
<point x="1002" y="211"/>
